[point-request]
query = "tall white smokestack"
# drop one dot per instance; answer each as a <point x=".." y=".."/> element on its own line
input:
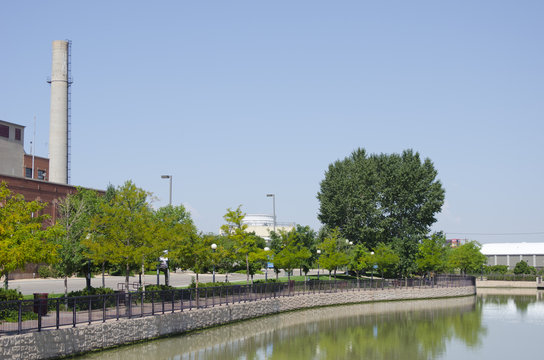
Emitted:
<point x="58" y="121"/>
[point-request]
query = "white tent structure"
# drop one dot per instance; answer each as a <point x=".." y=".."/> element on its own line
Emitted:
<point x="510" y="254"/>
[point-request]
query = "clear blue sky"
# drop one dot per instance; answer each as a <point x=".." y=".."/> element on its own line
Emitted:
<point x="237" y="99"/>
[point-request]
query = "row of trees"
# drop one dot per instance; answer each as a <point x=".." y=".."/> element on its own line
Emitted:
<point x="121" y="231"/>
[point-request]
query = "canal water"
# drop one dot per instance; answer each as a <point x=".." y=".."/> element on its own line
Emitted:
<point x="495" y="324"/>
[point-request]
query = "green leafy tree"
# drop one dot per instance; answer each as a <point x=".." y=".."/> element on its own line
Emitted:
<point x="198" y="254"/>
<point x="333" y="254"/>
<point x="360" y="260"/>
<point x="496" y="269"/>
<point x="385" y="258"/>
<point x="468" y="257"/>
<point x="123" y="231"/>
<point x="382" y="198"/>
<point x="433" y="254"/>
<point x="74" y="216"/>
<point x="293" y="253"/>
<point x="174" y="227"/>
<point x="225" y="255"/>
<point x="243" y="243"/>
<point x="307" y="238"/>
<point x="22" y="237"/>
<point x="523" y="268"/>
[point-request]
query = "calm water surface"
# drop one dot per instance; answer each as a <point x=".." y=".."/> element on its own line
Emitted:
<point x="493" y="325"/>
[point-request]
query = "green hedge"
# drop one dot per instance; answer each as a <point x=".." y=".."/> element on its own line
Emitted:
<point x="10" y="312"/>
<point x="511" y="277"/>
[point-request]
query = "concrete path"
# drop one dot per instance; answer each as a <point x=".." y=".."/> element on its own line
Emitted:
<point x="56" y="286"/>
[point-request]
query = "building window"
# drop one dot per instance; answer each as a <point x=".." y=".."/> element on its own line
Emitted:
<point x="41" y="174"/>
<point x="18" y="134"/>
<point x="28" y="172"/>
<point x="4" y="131"/>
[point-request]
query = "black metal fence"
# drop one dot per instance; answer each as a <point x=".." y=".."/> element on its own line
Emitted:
<point x="34" y="315"/>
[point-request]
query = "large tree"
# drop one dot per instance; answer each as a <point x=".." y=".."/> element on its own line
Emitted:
<point x="360" y="260"/>
<point x="174" y="229"/>
<point x="244" y="243"/>
<point x="385" y="258"/>
<point x="124" y="231"/>
<point x="433" y="254"/>
<point x="389" y="198"/>
<point x="293" y="253"/>
<point x="22" y="237"/>
<point x="333" y="252"/>
<point x="75" y="213"/>
<point x="468" y="257"/>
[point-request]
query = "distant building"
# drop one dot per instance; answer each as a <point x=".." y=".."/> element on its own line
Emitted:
<point x="28" y="175"/>
<point x="11" y="148"/>
<point x="263" y="224"/>
<point x="455" y="242"/>
<point x="510" y="254"/>
<point x="13" y="159"/>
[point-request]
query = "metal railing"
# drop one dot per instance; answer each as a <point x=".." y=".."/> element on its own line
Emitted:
<point x="21" y="316"/>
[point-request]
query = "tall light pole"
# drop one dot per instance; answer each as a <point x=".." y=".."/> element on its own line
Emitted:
<point x="372" y="271"/>
<point x="267" y="249"/>
<point x="214" y="246"/>
<point x="168" y="177"/>
<point x="273" y="196"/>
<point x="318" y="253"/>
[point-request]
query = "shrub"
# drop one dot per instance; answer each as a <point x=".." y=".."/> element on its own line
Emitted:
<point x="46" y="271"/>
<point x="91" y="291"/>
<point x="497" y="269"/>
<point x="523" y="268"/>
<point x="208" y="284"/>
<point x="10" y="294"/>
<point x="83" y="304"/>
<point x="263" y="281"/>
<point x="10" y="312"/>
<point x="158" y="287"/>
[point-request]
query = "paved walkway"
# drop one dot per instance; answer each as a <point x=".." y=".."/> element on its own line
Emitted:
<point x="181" y="278"/>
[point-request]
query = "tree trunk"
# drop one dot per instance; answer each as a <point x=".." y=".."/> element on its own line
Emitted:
<point x="358" y="279"/>
<point x="329" y="275"/>
<point x="247" y="268"/>
<point x="103" y="271"/>
<point x="127" y="273"/>
<point x="197" y="297"/>
<point x="6" y="280"/>
<point x="142" y="284"/>
<point x="334" y="274"/>
<point x="66" y="286"/>
<point x="88" y="277"/>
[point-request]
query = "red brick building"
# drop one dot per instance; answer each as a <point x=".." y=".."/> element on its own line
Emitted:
<point x="37" y="190"/>
<point x="41" y="167"/>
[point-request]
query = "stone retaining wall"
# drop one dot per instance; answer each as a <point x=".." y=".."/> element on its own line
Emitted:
<point x="68" y="341"/>
<point x="505" y="284"/>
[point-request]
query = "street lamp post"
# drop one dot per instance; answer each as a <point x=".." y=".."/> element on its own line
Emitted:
<point x="214" y="246"/>
<point x="372" y="271"/>
<point x="267" y="249"/>
<point x="273" y="196"/>
<point x="318" y="253"/>
<point x="168" y="177"/>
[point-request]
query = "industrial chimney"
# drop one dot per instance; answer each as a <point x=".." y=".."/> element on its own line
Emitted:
<point x="58" y="120"/>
